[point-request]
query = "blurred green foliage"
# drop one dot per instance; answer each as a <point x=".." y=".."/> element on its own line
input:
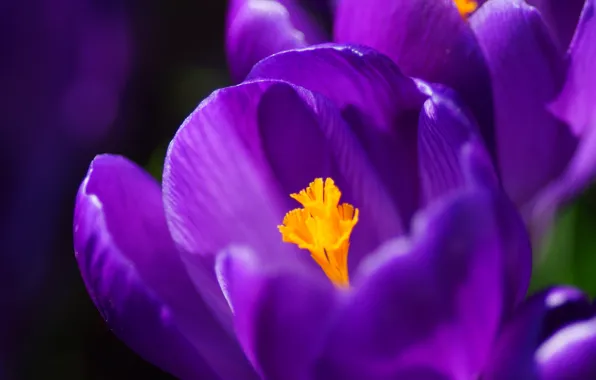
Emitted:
<point x="155" y="164"/>
<point x="569" y="255"/>
<point x="186" y="88"/>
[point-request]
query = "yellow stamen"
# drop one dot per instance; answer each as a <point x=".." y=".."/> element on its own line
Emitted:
<point x="323" y="227"/>
<point x="466" y="7"/>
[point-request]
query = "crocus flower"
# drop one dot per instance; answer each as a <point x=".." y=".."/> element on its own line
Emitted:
<point x="551" y="336"/>
<point x="401" y="259"/>
<point x="507" y="59"/>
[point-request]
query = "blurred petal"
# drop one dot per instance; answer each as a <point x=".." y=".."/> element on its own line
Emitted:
<point x="527" y="70"/>
<point x="50" y="50"/>
<point x="302" y="15"/>
<point x="575" y="104"/>
<point x="259" y="28"/>
<point x="578" y="176"/>
<point x="561" y="17"/>
<point x="136" y="279"/>
<point x="570" y="353"/>
<point x="427" y="40"/>
<point x="451" y="156"/>
<point x="563" y="305"/>
<point x="427" y="305"/>
<point x="444" y="128"/>
<point x="86" y="51"/>
<point x="517" y="252"/>
<point x="516" y="249"/>
<point x="538" y="318"/>
<point x="233" y="163"/>
<point x="380" y="104"/>
<point x="280" y="316"/>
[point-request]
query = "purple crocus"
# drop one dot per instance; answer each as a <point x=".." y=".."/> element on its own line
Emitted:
<point x="419" y="273"/>
<point x="528" y="87"/>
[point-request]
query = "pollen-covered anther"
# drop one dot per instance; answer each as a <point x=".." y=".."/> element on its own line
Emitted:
<point x="466" y="7"/>
<point x="323" y="227"/>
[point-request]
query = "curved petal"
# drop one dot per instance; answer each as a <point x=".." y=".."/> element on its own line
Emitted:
<point x="575" y="106"/>
<point x="427" y="40"/>
<point x="575" y="103"/>
<point x="133" y="273"/>
<point x="527" y="69"/>
<point x="578" y="176"/>
<point x="259" y="28"/>
<point x="452" y="156"/>
<point x="281" y="316"/>
<point x="445" y="127"/>
<point x="517" y="252"/>
<point x="516" y="249"/>
<point x="570" y="353"/>
<point x="430" y="303"/>
<point x="561" y="17"/>
<point x="380" y="104"/>
<point x="535" y="321"/>
<point x="235" y="160"/>
<point x="303" y="15"/>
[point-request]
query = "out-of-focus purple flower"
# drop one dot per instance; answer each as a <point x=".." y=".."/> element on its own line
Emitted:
<point x="268" y="27"/>
<point x="551" y="336"/>
<point x="508" y="61"/>
<point x="195" y="277"/>
<point x="63" y="70"/>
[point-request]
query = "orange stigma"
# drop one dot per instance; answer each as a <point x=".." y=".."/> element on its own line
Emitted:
<point x="466" y="7"/>
<point x="323" y="227"/>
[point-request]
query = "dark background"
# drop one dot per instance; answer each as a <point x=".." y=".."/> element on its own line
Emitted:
<point x="179" y="50"/>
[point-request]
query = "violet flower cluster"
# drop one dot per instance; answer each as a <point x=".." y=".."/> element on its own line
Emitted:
<point x="523" y="71"/>
<point x="436" y="135"/>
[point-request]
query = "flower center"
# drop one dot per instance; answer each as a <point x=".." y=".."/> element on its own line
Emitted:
<point x="323" y="227"/>
<point x="466" y="7"/>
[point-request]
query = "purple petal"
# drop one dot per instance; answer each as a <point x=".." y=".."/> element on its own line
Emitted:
<point x="235" y="160"/>
<point x="561" y="17"/>
<point x="444" y="128"/>
<point x="575" y="104"/>
<point x="428" y="305"/>
<point x="218" y="185"/>
<point x="427" y="40"/>
<point x="516" y="247"/>
<point x="380" y="104"/>
<point x="135" y="277"/>
<point x="564" y="305"/>
<point x="452" y="156"/>
<point x="538" y="318"/>
<point x="526" y="70"/>
<point x="259" y="28"/>
<point x="578" y="176"/>
<point x="570" y="353"/>
<point x="280" y="316"/>
<point x="303" y="17"/>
